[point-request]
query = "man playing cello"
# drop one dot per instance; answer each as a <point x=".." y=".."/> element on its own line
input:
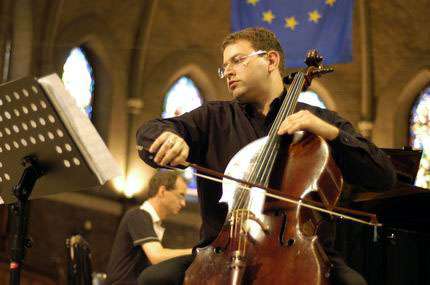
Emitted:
<point x="212" y="134"/>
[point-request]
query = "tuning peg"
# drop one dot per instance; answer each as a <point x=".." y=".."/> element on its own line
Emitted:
<point x="321" y="70"/>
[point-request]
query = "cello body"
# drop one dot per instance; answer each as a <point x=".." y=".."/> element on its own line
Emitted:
<point x="276" y="242"/>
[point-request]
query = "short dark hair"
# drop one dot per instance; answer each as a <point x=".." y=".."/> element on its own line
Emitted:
<point x="260" y="39"/>
<point x="166" y="178"/>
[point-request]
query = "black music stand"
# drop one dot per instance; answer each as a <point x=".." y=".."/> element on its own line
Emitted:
<point x="19" y="211"/>
<point x="42" y="130"/>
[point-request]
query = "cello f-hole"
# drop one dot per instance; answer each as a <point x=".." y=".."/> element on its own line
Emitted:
<point x="283" y="228"/>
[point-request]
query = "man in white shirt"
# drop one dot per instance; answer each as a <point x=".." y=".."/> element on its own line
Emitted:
<point x="137" y="244"/>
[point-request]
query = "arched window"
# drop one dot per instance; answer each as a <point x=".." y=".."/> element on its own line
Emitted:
<point x="311" y="98"/>
<point x="419" y="135"/>
<point x="78" y="79"/>
<point x="182" y="97"/>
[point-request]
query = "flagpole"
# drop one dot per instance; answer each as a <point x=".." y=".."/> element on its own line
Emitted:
<point x="365" y="125"/>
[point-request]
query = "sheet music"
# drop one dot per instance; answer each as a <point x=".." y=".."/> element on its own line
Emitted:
<point x="83" y="132"/>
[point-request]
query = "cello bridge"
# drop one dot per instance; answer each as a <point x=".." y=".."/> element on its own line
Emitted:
<point x="242" y="216"/>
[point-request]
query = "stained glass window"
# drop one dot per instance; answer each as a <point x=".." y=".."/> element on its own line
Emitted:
<point x="419" y="135"/>
<point x="78" y="79"/>
<point x="311" y="98"/>
<point x="182" y="97"/>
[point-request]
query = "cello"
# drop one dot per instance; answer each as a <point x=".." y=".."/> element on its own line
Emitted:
<point x="265" y="240"/>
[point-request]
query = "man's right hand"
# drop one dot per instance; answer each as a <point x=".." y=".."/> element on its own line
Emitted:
<point x="169" y="148"/>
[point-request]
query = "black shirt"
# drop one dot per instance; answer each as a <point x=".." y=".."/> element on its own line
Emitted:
<point x="127" y="258"/>
<point x="217" y="130"/>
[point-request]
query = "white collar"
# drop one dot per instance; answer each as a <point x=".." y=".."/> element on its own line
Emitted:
<point x="146" y="206"/>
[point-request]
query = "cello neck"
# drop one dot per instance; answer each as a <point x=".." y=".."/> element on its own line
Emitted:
<point x="289" y="103"/>
<point x="266" y="159"/>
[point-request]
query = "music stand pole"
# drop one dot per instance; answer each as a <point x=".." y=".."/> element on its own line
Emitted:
<point x="19" y="211"/>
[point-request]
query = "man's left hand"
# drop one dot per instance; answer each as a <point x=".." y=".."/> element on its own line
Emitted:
<point x="306" y="121"/>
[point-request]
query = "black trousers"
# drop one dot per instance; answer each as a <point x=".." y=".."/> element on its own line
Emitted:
<point x="168" y="272"/>
<point x="172" y="272"/>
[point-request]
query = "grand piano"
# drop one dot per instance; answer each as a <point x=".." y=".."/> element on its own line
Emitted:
<point x="400" y="254"/>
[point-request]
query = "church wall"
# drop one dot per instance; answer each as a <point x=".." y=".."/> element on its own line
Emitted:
<point x="401" y="53"/>
<point x="183" y="38"/>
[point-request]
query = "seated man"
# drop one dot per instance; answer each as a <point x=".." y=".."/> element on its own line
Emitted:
<point x="212" y="134"/>
<point x="137" y="243"/>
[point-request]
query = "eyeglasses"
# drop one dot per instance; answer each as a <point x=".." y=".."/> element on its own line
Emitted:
<point x="236" y="61"/>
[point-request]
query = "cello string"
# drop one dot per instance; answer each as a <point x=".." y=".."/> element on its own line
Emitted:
<point x="270" y="149"/>
<point x="273" y="138"/>
<point x="286" y="108"/>
<point x="236" y="227"/>
<point x="231" y="228"/>
<point x="245" y="233"/>
<point x="245" y="200"/>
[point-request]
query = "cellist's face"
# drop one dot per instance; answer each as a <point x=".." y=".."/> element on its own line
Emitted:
<point x="246" y="78"/>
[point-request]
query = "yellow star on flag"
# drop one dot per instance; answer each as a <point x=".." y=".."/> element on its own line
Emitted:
<point x="268" y="16"/>
<point x="314" y="16"/>
<point x="330" y="2"/>
<point x="291" y="23"/>
<point x="252" y="2"/>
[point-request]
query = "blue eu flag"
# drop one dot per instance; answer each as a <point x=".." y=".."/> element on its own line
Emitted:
<point x="301" y="25"/>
